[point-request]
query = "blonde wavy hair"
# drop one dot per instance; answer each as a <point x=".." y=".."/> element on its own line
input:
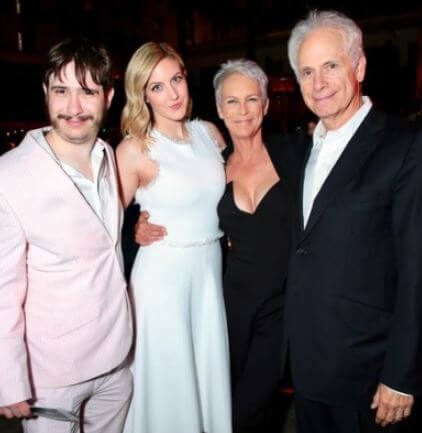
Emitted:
<point x="137" y="118"/>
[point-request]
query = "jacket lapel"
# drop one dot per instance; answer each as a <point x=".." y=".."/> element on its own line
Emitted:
<point x="60" y="183"/>
<point x="116" y="209"/>
<point x="357" y="151"/>
<point x="299" y="207"/>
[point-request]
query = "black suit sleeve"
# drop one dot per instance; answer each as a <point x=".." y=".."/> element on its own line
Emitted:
<point x="403" y="362"/>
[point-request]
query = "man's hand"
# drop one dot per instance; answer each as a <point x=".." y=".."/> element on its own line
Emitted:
<point x="17" y="410"/>
<point x="391" y="406"/>
<point x="146" y="233"/>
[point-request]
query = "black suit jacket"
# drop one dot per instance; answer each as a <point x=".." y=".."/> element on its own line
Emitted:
<point x="354" y="284"/>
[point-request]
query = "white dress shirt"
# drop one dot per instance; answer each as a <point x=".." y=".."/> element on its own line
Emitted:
<point x="97" y="192"/>
<point x="326" y="150"/>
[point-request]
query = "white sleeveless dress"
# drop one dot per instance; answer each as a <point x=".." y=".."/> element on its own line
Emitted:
<point x="181" y="357"/>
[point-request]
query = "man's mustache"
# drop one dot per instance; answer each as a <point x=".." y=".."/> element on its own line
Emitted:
<point x="81" y="117"/>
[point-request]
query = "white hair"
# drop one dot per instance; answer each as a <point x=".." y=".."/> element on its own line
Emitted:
<point x="244" y="67"/>
<point x="331" y="19"/>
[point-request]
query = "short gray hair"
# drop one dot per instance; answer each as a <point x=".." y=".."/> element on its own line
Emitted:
<point x="245" y="67"/>
<point x="332" y="19"/>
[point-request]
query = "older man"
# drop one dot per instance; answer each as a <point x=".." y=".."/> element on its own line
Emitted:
<point x="354" y="286"/>
<point x="64" y="312"/>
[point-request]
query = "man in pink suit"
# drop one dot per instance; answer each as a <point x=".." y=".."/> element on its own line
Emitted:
<point x="64" y="312"/>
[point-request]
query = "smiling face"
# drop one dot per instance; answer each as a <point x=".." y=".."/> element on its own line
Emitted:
<point x="76" y="112"/>
<point x="241" y="106"/>
<point x="329" y="82"/>
<point x="167" y="92"/>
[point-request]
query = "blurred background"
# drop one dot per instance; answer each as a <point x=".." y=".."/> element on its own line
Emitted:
<point x="206" y="33"/>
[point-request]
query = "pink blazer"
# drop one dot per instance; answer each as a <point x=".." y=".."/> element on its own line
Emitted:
<point x="64" y="308"/>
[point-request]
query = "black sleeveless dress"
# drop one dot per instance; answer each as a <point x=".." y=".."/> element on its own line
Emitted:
<point x="254" y="276"/>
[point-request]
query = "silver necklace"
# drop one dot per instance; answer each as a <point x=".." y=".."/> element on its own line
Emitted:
<point x="178" y="140"/>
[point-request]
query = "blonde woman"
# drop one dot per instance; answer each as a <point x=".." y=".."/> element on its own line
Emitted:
<point x="173" y="168"/>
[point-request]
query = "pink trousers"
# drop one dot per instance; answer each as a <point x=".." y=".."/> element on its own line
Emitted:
<point x="102" y="404"/>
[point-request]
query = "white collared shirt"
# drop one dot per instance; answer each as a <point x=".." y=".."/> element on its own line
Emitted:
<point x="97" y="192"/>
<point x="326" y="150"/>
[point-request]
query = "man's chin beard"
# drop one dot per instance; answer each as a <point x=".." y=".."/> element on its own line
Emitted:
<point x="80" y="140"/>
